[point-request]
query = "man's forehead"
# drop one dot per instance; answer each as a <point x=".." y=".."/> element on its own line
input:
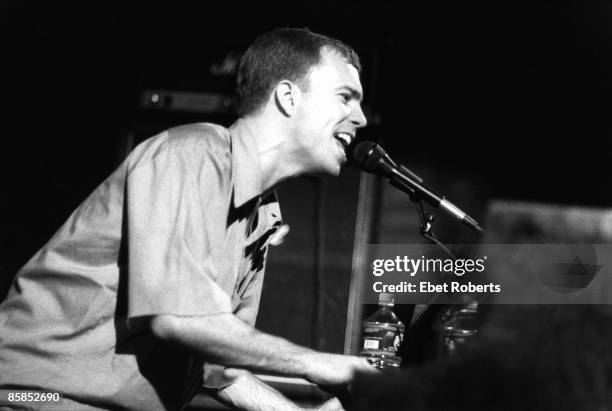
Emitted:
<point x="334" y="70"/>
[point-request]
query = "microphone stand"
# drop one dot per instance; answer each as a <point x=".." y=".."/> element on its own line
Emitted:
<point x="444" y="316"/>
<point x="425" y="228"/>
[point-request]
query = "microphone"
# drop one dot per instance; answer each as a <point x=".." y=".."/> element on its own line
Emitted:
<point x="374" y="159"/>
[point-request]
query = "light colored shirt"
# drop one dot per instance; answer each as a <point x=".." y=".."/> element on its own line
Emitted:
<point x="179" y="228"/>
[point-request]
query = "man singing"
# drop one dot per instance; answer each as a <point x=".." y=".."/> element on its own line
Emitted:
<point x="153" y="283"/>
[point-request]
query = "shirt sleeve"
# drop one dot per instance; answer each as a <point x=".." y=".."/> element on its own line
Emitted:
<point x="174" y="217"/>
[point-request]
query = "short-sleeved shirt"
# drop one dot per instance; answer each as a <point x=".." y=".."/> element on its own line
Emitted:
<point x="179" y="228"/>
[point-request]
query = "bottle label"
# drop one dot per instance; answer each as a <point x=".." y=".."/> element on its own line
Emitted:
<point x="370" y="344"/>
<point x="381" y="338"/>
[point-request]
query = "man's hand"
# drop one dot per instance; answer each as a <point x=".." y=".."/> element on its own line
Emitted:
<point x="334" y="369"/>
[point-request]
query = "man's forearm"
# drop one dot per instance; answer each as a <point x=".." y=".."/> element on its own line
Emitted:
<point x="226" y="340"/>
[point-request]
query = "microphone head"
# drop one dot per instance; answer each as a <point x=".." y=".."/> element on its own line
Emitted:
<point x="373" y="158"/>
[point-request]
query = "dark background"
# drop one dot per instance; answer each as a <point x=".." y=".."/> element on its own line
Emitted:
<point x="488" y="99"/>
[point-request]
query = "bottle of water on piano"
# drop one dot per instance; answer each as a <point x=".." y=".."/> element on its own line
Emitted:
<point x="382" y="334"/>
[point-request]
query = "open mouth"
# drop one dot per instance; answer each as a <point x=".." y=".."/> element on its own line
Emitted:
<point x="344" y="139"/>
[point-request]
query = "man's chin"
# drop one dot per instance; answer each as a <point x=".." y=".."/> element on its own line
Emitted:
<point x="335" y="169"/>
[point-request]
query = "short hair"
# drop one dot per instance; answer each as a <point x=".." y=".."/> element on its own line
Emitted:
<point x="282" y="54"/>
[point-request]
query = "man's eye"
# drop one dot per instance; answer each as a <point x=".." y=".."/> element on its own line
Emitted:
<point x="345" y="98"/>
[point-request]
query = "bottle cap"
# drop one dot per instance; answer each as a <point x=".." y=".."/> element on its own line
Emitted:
<point x="386" y="299"/>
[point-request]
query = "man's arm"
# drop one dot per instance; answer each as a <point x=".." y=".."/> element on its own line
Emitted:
<point x="248" y="393"/>
<point x="227" y="340"/>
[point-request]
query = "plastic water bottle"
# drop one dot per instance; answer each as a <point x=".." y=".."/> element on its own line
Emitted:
<point x="382" y="334"/>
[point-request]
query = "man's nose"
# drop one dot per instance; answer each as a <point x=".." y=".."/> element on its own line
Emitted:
<point x="358" y="118"/>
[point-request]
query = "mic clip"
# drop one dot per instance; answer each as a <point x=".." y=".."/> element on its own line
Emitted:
<point x="426" y="220"/>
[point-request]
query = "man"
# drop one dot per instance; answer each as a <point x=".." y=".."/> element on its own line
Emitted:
<point x="157" y="276"/>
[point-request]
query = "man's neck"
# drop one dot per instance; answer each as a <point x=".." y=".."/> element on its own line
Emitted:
<point x="269" y="138"/>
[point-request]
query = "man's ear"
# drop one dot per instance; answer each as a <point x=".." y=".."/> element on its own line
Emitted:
<point x="286" y="97"/>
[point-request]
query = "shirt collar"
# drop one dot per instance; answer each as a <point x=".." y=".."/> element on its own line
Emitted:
<point x="246" y="167"/>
